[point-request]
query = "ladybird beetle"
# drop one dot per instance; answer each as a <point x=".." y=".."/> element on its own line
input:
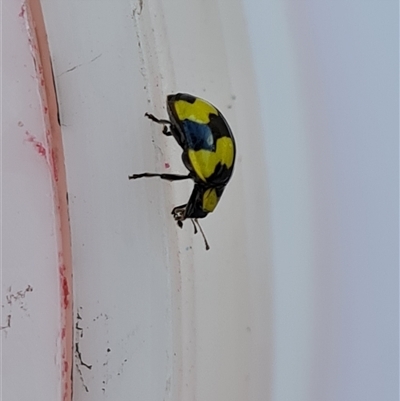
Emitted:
<point x="208" y="153"/>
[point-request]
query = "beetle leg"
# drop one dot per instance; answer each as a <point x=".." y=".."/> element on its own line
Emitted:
<point x="157" y="120"/>
<point x="165" y="130"/>
<point x="168" y="177"/>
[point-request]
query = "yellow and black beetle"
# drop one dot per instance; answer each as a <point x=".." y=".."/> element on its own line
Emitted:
<point x="208" y="153"/>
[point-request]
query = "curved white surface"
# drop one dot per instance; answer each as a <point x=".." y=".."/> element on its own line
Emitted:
<point x="298" y="297"/>
<point x="159" y="317"/>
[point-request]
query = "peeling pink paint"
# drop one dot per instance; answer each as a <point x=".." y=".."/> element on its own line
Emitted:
<point x="37" y="144"/>
<point x="52" y="150"/>
<point x="64" y="287"/>
<point x="22" y="12"/>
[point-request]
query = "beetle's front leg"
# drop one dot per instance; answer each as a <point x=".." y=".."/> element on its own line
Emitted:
<point x="165" y="130"/>
<point x="179" y="214"/>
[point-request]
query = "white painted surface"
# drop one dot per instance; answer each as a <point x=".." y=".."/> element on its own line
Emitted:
<point x="30" y="314"/>
<point x="161" y="318"/>
<point x="120" y="271"/>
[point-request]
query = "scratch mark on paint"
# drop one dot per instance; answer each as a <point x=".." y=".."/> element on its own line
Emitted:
<point x="79" y="329"/>
<point x="12" y="298"/>
<point x="17" y="296"/>
<point x="81" y="377"/>
<point x="8" y="324"/>
<point x="80" y="65"/>
<point x="138" y="10"/>
<point x="79" y="355"/>
<point x="95" y="58"/>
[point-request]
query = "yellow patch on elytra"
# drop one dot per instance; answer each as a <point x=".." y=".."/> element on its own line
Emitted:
<point x="199" y="111"/>
<point x="210" y="200"/>
<point x="205" y="161"/>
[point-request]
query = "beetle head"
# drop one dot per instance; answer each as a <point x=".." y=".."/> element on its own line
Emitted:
<point x="203" y="200"/>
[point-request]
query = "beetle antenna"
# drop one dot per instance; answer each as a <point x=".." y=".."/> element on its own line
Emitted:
<point x="202" y="233"/>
